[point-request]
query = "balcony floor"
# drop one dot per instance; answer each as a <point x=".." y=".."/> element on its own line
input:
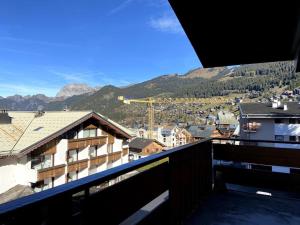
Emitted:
<point x="240" y="208"/>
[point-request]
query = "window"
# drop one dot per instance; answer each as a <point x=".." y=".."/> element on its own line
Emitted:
<point x="89" y="133"/>
<point x="294" y="121"/>
<point x="93" y="151"/>
<point x="109" y="148"/>
<point x="292" y="138"/>
<point x="42" y="162"/>
<point x="72" y="155"/>
<point x="279" y="121"/>
<point x="164" y="139"/>
<point x="279" y="138"/>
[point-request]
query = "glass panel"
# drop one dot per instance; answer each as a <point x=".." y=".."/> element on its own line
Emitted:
<point x="72" y="156"/>
<point x="93" y="132"/>
<point x="86" y="133"/>
<point x="93" y="152"/>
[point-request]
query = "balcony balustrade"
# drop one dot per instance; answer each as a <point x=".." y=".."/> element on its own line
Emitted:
<point x="98" y="160"/>
<point x="77" y="165"/>
<point x="84" y="142"/>
<point x="114" y="156"/>
<point x="175" y="184"/>
<point x="54" y="171"/>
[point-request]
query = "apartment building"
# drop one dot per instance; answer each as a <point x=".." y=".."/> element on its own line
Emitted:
<point x="172" y="136"/>
<point x="270" y="121"/>
<point x="47" y="149"/>
<point x="274" y="121"/>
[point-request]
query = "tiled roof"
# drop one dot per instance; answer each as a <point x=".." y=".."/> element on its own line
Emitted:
<point x="26" y="129"/>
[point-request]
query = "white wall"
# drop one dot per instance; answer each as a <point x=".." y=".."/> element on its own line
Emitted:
<point x="118" y="145"/>
<point x="102" y="150"/>
<point x="83" y="153"/>
<point x="59" y="180"/>
<point x="16" y="171"/>
<point x="61" y="152"/>
<point x="83" y="173"/>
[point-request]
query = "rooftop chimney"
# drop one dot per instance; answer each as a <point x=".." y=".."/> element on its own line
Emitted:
<point x="4" y="117"/>
<point x="39" y="113"/>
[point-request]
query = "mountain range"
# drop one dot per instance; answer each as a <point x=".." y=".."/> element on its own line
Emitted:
<point x="200" y="82"/>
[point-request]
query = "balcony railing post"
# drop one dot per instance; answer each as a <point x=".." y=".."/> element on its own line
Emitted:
<point x="190" y="179"/>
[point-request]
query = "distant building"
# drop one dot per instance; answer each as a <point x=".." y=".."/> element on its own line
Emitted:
<point x="200" y="132"/>
<point x="296" y="91"/>
<point x="142" y="147"/>
<point x="172" y="136"/>
<point x="226" y="122"/>
<point x="45" y="149"/>
<point x="141" y="133"/>
<point x="271" y="121"/>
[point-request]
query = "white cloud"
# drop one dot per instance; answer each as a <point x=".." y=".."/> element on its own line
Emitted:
<point x="166" y="23"/>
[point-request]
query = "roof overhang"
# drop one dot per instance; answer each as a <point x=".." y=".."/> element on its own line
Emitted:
<point x="233" y="33"/>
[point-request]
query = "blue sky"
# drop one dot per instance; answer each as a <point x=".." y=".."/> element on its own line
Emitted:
<point x="47" y="44"/>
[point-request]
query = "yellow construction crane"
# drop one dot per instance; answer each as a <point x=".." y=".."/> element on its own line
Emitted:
<point x="151" y="101"/>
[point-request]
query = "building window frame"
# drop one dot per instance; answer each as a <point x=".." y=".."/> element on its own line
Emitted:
<point x="279" y="137"/>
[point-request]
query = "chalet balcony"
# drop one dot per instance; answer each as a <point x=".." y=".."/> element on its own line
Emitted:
<point x="54" y="171"/>
<point x="84" y="142"/>
<point x="208" y="182"/>
<point x="98" y="160"/>
<point x="77" y="165"/>
<point x="114" y="156"/>
<point x="125" y="151"/>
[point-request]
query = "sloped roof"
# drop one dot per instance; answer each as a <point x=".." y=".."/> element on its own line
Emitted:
<point x="140" y="143"/>
<point x="225" y="117"/>
<point x="202" y="131"/>
<point x="15" y="192"/>
<point x="266" y="110"/>
<point x="27" y="131"/>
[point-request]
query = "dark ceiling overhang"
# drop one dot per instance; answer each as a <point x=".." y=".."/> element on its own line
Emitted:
<point x="243" y="32"/>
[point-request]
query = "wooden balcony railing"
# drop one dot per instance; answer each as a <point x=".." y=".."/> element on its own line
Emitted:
<point x="183" y="175"/>
<point x="112" y="157"/>
<point x="125" y="151"/>
<point x="111" y="139"/>
<point x="54" y="171"/>
<point x="98" y="160"/>
<point x="78" y="165"/>
<point x="84" y="142"/>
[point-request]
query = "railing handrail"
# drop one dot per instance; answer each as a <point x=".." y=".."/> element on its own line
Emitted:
<point x="91" y="180"/>
<point x="256" y="140"/>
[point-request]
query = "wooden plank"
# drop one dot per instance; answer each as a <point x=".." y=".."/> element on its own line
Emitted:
<point x="54" y="171"/>
<point x="78" y="165"/>
<point x="257" y="154"/>
<point x="259" y="178"/>
<point x="98" y="160"/>
<point x="119" y="201"/>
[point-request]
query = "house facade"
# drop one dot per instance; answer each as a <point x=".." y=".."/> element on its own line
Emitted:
<point x="47" y="149"/>
<point x="172" y="136"/>
<point x="142" y="147"/>
<point x="271" y="121"/>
